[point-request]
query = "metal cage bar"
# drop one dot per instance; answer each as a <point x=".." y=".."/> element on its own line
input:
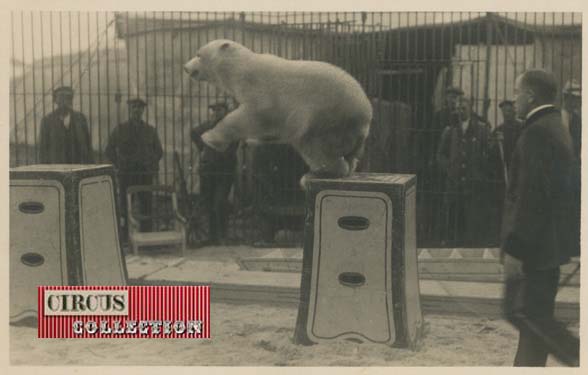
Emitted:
<point x="398" y="57"/>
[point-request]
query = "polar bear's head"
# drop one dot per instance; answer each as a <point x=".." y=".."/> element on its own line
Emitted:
<point x="215" y="60"/>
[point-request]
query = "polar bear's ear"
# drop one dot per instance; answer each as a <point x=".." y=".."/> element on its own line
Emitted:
<point x="224" y="46"/>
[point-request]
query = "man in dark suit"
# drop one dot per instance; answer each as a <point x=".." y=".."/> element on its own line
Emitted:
<point x="135" y="150"/>
<point x="65" y="138"/>
<point x="504" y="139"/>
<point x="538" y="232"/>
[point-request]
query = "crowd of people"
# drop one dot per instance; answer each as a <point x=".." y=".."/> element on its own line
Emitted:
<point x="468" y="163"/>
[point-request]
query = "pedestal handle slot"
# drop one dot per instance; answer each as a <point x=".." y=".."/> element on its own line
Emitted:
<point x="353" y="222"/>
<point x="32" y="259"/>
<point x="31" y="207"/>
<point x="351" y="279"/>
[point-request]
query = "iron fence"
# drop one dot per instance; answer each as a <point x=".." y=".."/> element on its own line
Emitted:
<point x="404" y="61"/>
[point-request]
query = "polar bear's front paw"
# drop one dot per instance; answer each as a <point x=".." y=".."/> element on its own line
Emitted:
<point x="213" y="143"/>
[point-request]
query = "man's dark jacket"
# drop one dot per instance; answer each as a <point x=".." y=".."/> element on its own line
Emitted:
<point x="463" y="156"/>
<point x="541" y="214"/>
<point x="54" y="141"/>
<point x="211" y="160"/>
<point x="134" y="147"/>
<point x="510" y="131"/>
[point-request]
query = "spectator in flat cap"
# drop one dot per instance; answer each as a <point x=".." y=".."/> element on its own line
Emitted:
<point x="65" y="137"/>
<point x="463" y="156"/>
<point x="433" y="176"/>
<point x="217" y="172"/>
<point x="135" y="150"/>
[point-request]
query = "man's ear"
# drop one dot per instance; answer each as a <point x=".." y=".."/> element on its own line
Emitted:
<point x="532" y="98"/>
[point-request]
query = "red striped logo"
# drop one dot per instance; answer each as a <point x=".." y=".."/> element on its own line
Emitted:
<point x="124" y="311"/>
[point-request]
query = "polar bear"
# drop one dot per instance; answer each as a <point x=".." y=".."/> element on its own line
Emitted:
<point x="316" y="107"/>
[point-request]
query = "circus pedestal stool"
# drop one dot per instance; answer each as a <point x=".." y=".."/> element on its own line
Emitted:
<point x="359" y="273"/>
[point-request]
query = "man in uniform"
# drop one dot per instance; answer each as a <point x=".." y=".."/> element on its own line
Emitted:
<point x="135" y="150"/>
<point x="433" y="175"/>
<point x="462" y="155"/>
<point x="65" y="138"/>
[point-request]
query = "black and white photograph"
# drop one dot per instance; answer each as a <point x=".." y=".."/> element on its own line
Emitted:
<point x="357" y="188"/>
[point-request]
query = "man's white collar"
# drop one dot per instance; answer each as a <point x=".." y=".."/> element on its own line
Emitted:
<point x="537" y="109"/>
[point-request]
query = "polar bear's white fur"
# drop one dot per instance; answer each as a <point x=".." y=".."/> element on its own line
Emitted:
<point x="316" y="107"/>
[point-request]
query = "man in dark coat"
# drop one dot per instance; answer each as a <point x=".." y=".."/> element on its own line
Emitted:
<point x="539" y="233"/>
<point x="431" y="175"/>
<point x="65" y="138"/>
<point x="504" y="139"/>
<point x="508" y="132"/>
<point x="463" y="154"/>
<point x="135" y="150"/>
<point x="217" y="173"/>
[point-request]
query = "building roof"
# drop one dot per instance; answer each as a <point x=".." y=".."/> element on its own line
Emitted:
<point x="475" y="25"/>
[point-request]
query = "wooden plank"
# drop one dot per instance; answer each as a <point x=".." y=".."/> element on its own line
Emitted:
<point x="431" y="304"/>
<point x="229" y="284"/>
<point x="446" y="267"/>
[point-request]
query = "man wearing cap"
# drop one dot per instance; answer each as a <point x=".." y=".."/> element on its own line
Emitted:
<point x="446" y="116"/>
<point x="463" y="156"/>
<point x="433" y="174"/>
<point x="65" y="138"/>
<point x="217" y="171"/>
<point x="135" y="150"/>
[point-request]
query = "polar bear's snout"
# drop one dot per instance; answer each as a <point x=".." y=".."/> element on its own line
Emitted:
<point x="192" y="68"/>
<point x="193" y="73"/>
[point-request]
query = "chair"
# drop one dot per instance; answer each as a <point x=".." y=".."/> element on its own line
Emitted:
<point x="167" y="225"/>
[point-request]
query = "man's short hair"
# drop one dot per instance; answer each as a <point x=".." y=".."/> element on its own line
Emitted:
<point x="542" y="83"/>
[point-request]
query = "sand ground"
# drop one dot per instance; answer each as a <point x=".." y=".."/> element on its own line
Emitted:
<point x="259" y="335"/>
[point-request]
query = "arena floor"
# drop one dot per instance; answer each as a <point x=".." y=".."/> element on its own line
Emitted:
<point x="255" y="335"/>
<point x="261" y="335"/>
